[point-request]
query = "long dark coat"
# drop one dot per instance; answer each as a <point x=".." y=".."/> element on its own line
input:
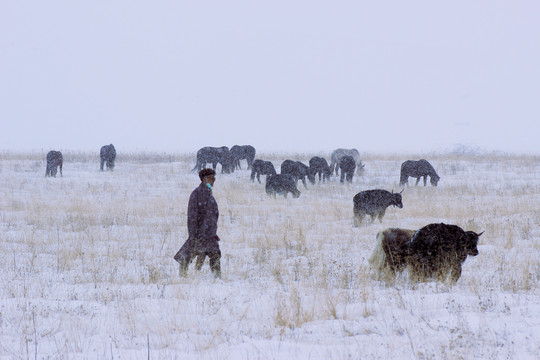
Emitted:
<point x="203" y="215"/>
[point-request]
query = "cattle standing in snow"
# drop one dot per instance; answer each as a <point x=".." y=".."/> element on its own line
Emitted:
<point x="215" y="155"/>
<point x="55" y="160"/>
<point x="390" y="253"/>
<point x="418" y="169"/>
<point x="261" y="167"/>
<point x="374" y="203"/>
<point x="438" y="249"/>
<point x="347" y="165"/>
<point x="319" y="165"/>
<point x="242" y="152"/>
<point x="281" y="184"/>
<point x="107" y="154"/>
<point x="339" y="153"/>
<point x="431" y="252"/>
<point x="298" y="171"/>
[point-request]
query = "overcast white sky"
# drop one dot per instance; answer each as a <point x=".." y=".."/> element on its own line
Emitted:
<point x="169" y="75"/>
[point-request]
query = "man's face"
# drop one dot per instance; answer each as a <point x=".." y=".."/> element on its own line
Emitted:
<point x="210" y="179"/>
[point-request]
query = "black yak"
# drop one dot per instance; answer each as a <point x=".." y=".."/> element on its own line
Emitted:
<point x="374" y="203"/>
<point x="55" y="160"/>
<point x="262" y="167"/>
<point x="281" y="184"/>
<point x="418" y="169"/>
<point x="346" y="165"/>
<point x="433" y="252"/>
<point x="107" y="154"/>
<point x="215" y="155"/>
<point x="439" y="249"/>
<point x="298" y="171"/>
<point x="339" y="153"/>
<point x="241" y="152"/>
<point x="319" y="166"/>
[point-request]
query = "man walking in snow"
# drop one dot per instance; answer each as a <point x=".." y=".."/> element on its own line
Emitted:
<point x="202" y="221"/>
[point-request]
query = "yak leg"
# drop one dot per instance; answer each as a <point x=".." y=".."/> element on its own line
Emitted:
<point x="381" y="215"/>
<point x="455" y="273"/>
<point x="425" y="179"/>
<point x="417" y="181"/>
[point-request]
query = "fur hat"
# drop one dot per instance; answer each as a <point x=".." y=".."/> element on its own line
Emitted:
<point x="206" y="172"/>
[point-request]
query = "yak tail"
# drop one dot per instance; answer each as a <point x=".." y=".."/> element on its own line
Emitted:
<point x="197" y="167"/>
<point x="378" y="257"/>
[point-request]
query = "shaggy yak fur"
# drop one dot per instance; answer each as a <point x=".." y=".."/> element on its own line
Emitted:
<point x="436" y="251"/>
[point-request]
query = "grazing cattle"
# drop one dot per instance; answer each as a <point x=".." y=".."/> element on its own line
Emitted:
<point x="339" y="153"/>
<point x="54" y="161"/>
<point x="374" y="204"/>
<point x="418" y="169"/>
<point x="432" y="252"/>
<point x="281" y="184"/>
<point x="319" y="166"/>
<point x="390" y="252"/>
<point x="107" y="154"/>
<point x="298" y="171"/>
<point x="261" y="167"/>
<point x="215" y="155"/>
<point x="347" y="165"/>
<point x="246" y="152"/>
<point x="438" y="249"/>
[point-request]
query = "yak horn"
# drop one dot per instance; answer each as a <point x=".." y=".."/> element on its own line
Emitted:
<point x="481" y="233"/>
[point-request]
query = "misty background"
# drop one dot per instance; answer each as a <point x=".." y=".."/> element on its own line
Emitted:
<point x="385" y="76"/>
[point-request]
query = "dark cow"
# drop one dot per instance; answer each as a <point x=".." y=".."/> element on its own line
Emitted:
<point x="281" y="184"/>
<point x="298" y="171"/>
<point x="55" y="160"/>
<point x="339" y="153"/>
<point x="389" y="255"/>
<point x="429" y="253"/>
<point x="107" y="154"/>
<point x="215" y="155"/>
<point x="319" y="166"/>
<point x="418" y="169"/>
<point x="438" y="249"/>
<point x="347" y="165"/>
<point x="261" y="167"/>
<point x="374" y="204"/>
<point x="246" y="152"/>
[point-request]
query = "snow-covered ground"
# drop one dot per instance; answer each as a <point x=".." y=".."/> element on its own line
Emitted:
<point x="87" y="266"/>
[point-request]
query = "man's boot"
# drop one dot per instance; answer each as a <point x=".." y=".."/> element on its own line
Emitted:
<point x="183" y="267"/>
<point x="215" y="265"/>
<point x="199" y="262"/>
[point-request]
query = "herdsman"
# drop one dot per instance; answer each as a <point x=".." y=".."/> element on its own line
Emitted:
<point x="202" y="221"/>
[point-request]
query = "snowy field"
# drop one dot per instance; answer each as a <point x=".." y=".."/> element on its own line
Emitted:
<point x="87" y="268"/>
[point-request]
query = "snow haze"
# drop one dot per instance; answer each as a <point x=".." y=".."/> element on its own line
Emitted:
<point x="387" y="76"/>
